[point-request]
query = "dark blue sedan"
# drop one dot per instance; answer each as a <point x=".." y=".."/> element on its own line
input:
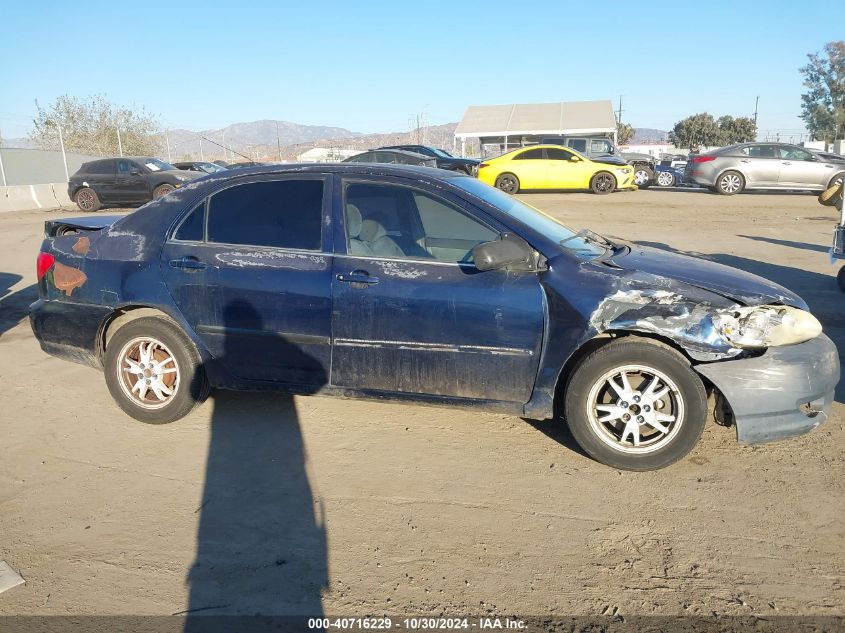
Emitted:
<point x="399" y="282"/>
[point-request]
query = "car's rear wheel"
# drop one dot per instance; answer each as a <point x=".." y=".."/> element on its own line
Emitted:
<point x="87" y="199"/>
<point x="162" y="190"/>
<point x="643" y="176"/>
<point x="636" y="405"/>
<point x="602" y="183"/>
<point x="730" y="183"/>
<point x="153" y="371"/>
<point x="665" y="179"/>
<point x="507" y="183"/>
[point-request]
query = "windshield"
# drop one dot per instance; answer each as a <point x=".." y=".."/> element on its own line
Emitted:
<point x="154" y="164"/>
<point x="211" y="168"/>
<point x="442" y="153"/>
<point x="531" y="216"/>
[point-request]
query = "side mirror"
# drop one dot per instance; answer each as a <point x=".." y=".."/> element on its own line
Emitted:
<point x="574" y="159"/>
<point x="510" y="252"/>
<point x="134" y="172"/>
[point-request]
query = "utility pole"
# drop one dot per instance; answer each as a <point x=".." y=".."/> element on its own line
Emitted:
<point x="64" y="155"/>
<point x="619" y="111"/>
<point x="2" y="171"/>
<point x="278" y="142"/>
<point x="201" y="154"/>
<point x="756" y="102"/>
<point x="167" y="140"/>
<point x="119" y="144"/>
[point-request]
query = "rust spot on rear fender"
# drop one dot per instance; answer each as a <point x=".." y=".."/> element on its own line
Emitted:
<point x="67" y="278"/>
<point x="82" y="245"/>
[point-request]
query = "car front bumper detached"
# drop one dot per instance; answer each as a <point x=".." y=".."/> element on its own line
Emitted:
<point x="784" y="392"/>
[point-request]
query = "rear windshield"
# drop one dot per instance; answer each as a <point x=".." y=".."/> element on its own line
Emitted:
<point x="528" y="215"/>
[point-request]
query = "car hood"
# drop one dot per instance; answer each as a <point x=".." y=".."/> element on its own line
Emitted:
<point x="732" y="283"/>
<point x="609" y="159"/>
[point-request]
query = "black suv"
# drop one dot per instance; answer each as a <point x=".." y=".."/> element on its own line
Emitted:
<point x="129" y="181"/>
<point x="444" y="159"/>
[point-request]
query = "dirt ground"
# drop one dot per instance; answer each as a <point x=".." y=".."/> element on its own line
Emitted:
<point x="266" y="504"/>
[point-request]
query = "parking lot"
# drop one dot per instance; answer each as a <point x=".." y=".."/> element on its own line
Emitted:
<point x="259" y="503"/>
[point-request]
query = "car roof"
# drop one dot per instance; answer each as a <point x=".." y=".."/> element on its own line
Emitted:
<point x="396" y="150"/>
<point x="369" y="169"/>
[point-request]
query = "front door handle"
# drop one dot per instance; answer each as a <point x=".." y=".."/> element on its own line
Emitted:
<point x="358" y="277"/>
<point x="744" y="160"/>
<point x="188" y="264"/>
<point x="786" y="162"/>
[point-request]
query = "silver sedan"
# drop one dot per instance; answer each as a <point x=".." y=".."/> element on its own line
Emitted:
<point x="733" y="169"/>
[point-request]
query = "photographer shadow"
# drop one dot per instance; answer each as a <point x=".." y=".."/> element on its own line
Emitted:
<point x="261" y="542"/>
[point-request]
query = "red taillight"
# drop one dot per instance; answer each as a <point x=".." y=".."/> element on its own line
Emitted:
<point x="43" y="264"/>
<point x="483" y="165"/>
<point x="702" y="159"/>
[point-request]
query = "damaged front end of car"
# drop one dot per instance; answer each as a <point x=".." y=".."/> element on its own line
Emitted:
<point x="772" y="370"/>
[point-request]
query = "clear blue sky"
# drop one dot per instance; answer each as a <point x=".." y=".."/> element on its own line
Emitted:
<point x="368" y="66"/>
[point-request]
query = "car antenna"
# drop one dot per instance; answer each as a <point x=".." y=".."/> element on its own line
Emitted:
<point x="224" y="147"/>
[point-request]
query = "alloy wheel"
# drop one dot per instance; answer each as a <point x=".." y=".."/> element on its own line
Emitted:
<point x="665" y="179"/>
<point x="148" y="372"/>
<point x="730" y="183"/>
<point x="85" y="200"/>
<point x="635" y="409"/>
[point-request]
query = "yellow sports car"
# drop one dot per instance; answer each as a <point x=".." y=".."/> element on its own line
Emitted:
<point x="555" y="167"/>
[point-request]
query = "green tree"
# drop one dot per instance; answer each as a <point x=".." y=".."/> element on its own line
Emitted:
<point x="91" y="125"/>
<point x="736" y="130"/>
<point x="823" y="105"/>
<point x="624" y="133"/>
<point x="696" y="131"/>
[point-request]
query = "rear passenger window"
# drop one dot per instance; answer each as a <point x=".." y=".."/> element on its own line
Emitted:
<point x="279" y="213"/>
<point x="193" y="226"/>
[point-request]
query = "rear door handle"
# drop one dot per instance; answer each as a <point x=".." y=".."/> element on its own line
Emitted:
<point x="357" y="277"/>
<point x="188" y="264"/>
<point x="786" y="162"/>
<point x="744" y="160"/>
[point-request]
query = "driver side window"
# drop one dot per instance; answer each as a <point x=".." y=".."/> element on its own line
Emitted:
<point x="395" y="222"/>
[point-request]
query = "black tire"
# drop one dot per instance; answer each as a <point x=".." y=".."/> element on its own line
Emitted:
<point x="838" y="178"/>
<point x="608" y="441"/>
<point x="87" y="200"/>
<point x="507" y="183"/>
<point x="162" y="190"/>
<point x="665" y="179"/>
<point x="840" y="278"/>
<point x="643" y="176"/>
<point x="603" y="183"/>
<point x="730" y="183"/>
<point x="189" y="386"/>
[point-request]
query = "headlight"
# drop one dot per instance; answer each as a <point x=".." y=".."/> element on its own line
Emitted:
<point x="182" y="178"/>
<point x="764" y="326"/>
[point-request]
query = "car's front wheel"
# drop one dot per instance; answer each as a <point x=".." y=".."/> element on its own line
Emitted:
<point x="635" y="405"/>
<point x="87" y="199"/>
<point x="665" y="179"/>
<point x="153" y="371"/>
<point x="507" y="183"/>
<point x="730" y="183"/>
<point x="602" y="183"/>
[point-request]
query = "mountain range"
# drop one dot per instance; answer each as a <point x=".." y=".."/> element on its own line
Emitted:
<point x="271" y="140"/>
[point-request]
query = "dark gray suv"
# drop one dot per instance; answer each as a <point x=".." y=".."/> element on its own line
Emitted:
<point x="733" y="169"/>
<point x="129" y="180"/>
